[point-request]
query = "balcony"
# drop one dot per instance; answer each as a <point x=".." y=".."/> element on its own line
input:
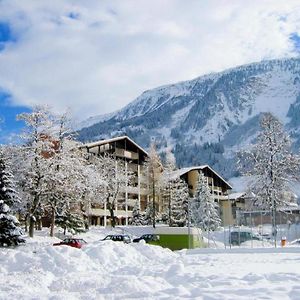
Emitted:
<point x="126" y="153"/>
<point x="103" y="212"/>
<point x="135" y="190"/>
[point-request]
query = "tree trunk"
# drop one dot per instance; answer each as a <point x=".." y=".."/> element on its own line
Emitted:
<point x="87" y="223"/>
<point x="26" y="223"/>
<point x="170" y="212"/>
<point x="153" y="195"/>
<point x="32" y="211"/>
<point x="112" y="217"/>
<point x="39" y="224"/>
<point x="52" y="222"/>
<point x="31" y="226"/>
<point x="274" y="227"/>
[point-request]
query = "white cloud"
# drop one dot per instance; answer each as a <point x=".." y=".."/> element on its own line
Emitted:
<point x="108" y="52"/>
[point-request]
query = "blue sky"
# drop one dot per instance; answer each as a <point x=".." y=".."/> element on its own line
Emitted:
<point x="95" y="57"/>
<point x="9" y="126"/>
<point x="295" y="38"/>
<point x="5" y="35"/>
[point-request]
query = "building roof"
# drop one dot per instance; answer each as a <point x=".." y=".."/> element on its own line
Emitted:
<point x="103" y="142"/>
<point x="235" y="196"/>
<point x="290" y="207"/>
<point x="180" y="172"/>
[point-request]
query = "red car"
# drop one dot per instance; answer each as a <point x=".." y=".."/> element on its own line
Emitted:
<point x="72" y="242"/>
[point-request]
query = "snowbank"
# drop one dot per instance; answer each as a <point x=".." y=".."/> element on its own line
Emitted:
<point x="113" y="270"/>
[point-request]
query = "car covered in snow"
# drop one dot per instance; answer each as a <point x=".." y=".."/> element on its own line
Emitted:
<point x="72" y="242"/>
<point x="118" y="238"/>
<point x="238" y="237"/>
<point x="148" y="238"/>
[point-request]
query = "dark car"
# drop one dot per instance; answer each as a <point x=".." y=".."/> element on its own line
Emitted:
<point x="148" y="238"/>
<point x="118" y="238"/>
<point x="72" y="242"/>
<point x="238" y="237"/>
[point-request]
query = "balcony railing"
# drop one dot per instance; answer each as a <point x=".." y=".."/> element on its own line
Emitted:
<point x="126" y="153"/>
<point x="102" y="212"/>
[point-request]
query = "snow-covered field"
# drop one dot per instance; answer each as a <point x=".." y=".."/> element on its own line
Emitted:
<point x="111" y="270"/>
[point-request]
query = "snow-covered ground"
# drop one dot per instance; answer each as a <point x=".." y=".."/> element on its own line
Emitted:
<point x="112" y="270"/>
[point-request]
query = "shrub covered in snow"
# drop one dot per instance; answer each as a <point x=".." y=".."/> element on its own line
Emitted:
<point x="10" y="232"/>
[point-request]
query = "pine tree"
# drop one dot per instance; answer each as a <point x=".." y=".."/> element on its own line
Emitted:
<point x="204" y="210"/>
<point x="137" y="217"/>
<point x="73" y="222"/>
<point x="7" y="189"/>
<point x="148" y="214"/>
<point x="10" y="232"/>
<point x="179" y="194"/>
<point x="271" y="166"/>
<point x="176" y="193"/>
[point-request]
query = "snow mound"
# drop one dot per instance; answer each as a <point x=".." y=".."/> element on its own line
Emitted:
<point x="114" y="255"/>
<point x="256" y="244"/>
<point x="114" y="270"/>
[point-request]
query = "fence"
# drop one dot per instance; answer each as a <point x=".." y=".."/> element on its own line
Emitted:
<point x="252" y="236"/>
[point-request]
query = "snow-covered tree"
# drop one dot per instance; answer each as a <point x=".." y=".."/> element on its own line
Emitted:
<point x="64" y="181"/>
<point x="94" y="186"/>
<point x="148" y="214"/>
<point x="71" y="221"/>
<point x="169" y="165"/>
<point x="153" y="166"/>
<point x="115" y="177"/>
<point x="204" y="210"/>
<point x="31" y="163"/>
<point x="7" y="186"/>
<point x="137" y="216"/>
<point x="166" y="182"/>
<point x="10" y="232"/>
<point x="176" y="192"/>
<point x="50" y="165"/>
<point x="271" y="165"/>
<point x="179" y="195"/>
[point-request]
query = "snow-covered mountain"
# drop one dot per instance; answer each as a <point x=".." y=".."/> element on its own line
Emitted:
<point x="205" y="120"/>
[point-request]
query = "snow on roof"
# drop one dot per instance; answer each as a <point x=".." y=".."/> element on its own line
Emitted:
<point x="180" y="172"/>
<point x="289" y="207"/>
<point x="119" y="138"/>
<point x="233" y="196"/>
<point x="236" y="195"/>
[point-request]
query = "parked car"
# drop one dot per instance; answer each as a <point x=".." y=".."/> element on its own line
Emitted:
<point x="238" y="237"/>
<point x="147" y="238"/>
<point x="118" y="238"/>
<point x="72" y="242"/>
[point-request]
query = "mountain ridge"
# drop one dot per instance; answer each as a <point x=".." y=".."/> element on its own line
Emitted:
<point x="214" y="114"/>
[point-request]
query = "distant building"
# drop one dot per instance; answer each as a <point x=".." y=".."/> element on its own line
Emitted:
<point x="246" y="212"/>
<point x="125" y="149"/>
<point x="219" y="187"/>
